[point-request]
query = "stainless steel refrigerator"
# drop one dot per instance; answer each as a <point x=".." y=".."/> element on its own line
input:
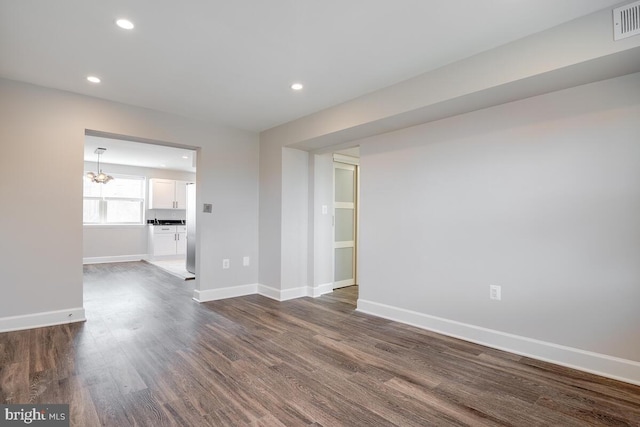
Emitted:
<point x="191" y="228"/>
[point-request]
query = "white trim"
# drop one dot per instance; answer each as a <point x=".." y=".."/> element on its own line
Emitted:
<point x="320" y="290"/>
<point x="170" y="257"/>
<point x="287" y="294"/>
<point x="283" y="294"/>
<point x="41" y="320"/>
<point x="264" y="290"/>
<point x="343" y="158"/>
<point x="343" y="244"/>
<point x="118" y="258"/>
<point x="95" y="225"/>
<point x="224" y="293"/>
<point x="344" y="205"/>
<point x="344" y="283"/>
<point x="595" y="363"/>
<point x="269" y="292"/>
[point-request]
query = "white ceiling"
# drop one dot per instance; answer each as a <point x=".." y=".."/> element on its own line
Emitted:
<point x="131" y="153"/>
<point x="232" y="62"/>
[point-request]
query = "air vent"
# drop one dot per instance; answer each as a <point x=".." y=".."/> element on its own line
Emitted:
<point x="626" y="21"/>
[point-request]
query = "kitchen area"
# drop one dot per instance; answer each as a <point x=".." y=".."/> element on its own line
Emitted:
<point x="171" y="243"/>
<point x="146" y="211"/>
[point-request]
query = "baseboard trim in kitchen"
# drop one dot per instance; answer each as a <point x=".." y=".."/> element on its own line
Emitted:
<point x="588" y="361"/>
<point x="118" y="258"/>
<point x="41" y="320"/>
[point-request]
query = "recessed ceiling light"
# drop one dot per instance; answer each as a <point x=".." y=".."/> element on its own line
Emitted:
<point x="163" y="166"/>
<point x="185" y="157"/>
<point x="125" y="23"/>
<point x="93" y="79"/>
<point x="297" y="86"/>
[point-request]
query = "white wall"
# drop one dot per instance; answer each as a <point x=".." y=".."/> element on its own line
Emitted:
<point x="102" y="243"/>
<point x="540" y="196"/>
<point x="228" y="179"/>
<point x="114" y="243"/>
<point x="322" y="232"/>
<point x="295" y="217"/>
<point x="43" y="131"/>
<point x="270" y="213"/>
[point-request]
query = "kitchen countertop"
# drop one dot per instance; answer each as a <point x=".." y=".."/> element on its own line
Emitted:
<point x="166" y="222"/>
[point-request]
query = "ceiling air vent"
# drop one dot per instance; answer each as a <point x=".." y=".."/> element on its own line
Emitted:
<point x="626" y="21"/>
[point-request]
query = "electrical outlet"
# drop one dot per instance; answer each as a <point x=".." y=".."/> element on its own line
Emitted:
<point x="245" y="261"/>
<point x="495" y="292"/>
<point x="225" y="263"/>
<point x="325" y="209"/>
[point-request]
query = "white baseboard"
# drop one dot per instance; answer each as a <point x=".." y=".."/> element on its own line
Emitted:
<point x="264" y="290"/>
<point x="320" y="290"/>
<point x="595" y="363"/>
<point x="293" y="293"/>
<point x="283" y="294"/>
<point x="269" y="292"/>
<point x="118" y="258"/>
<point x="41" y="320"/>
<point x="224" y="293"/>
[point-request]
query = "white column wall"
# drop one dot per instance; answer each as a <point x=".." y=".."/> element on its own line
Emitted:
<point x="295" y="217"/>
<point x="323" y="223"/>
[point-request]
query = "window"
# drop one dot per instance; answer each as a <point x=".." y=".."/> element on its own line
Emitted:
<point x="121" y="201"/>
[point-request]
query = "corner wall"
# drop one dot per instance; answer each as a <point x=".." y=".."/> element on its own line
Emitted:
<point x="270" y="213"/>
<point x="285" y="223"/>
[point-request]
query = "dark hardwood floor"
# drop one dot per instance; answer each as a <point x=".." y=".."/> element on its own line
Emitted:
<point x="150" y="356"/>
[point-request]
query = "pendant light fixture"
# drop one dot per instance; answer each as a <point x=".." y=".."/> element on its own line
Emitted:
<point x="100" y="178"/>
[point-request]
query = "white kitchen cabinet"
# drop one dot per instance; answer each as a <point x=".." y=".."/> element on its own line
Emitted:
<point x="181" y="194"/>
<point x="167" y="194"/>
<point x="181" y="242"/>
<point x="167" y="240"/>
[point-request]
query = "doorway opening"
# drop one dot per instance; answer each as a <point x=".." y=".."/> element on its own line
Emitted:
<point x="345" y="218"/>
<point x="143" y="214"/>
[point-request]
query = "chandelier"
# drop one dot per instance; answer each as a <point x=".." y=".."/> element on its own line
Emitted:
<point x="100" y="178"/>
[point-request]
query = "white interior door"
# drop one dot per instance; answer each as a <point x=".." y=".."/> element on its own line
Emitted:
<point x="344" y="224"/>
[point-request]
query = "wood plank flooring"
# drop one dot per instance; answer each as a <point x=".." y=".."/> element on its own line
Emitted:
<point x="150" y="356"/>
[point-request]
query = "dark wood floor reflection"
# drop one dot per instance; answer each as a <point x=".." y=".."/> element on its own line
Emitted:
<point x="150" y="356"/>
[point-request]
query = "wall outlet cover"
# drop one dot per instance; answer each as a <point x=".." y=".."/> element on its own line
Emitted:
<point x="495" y="292"/>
